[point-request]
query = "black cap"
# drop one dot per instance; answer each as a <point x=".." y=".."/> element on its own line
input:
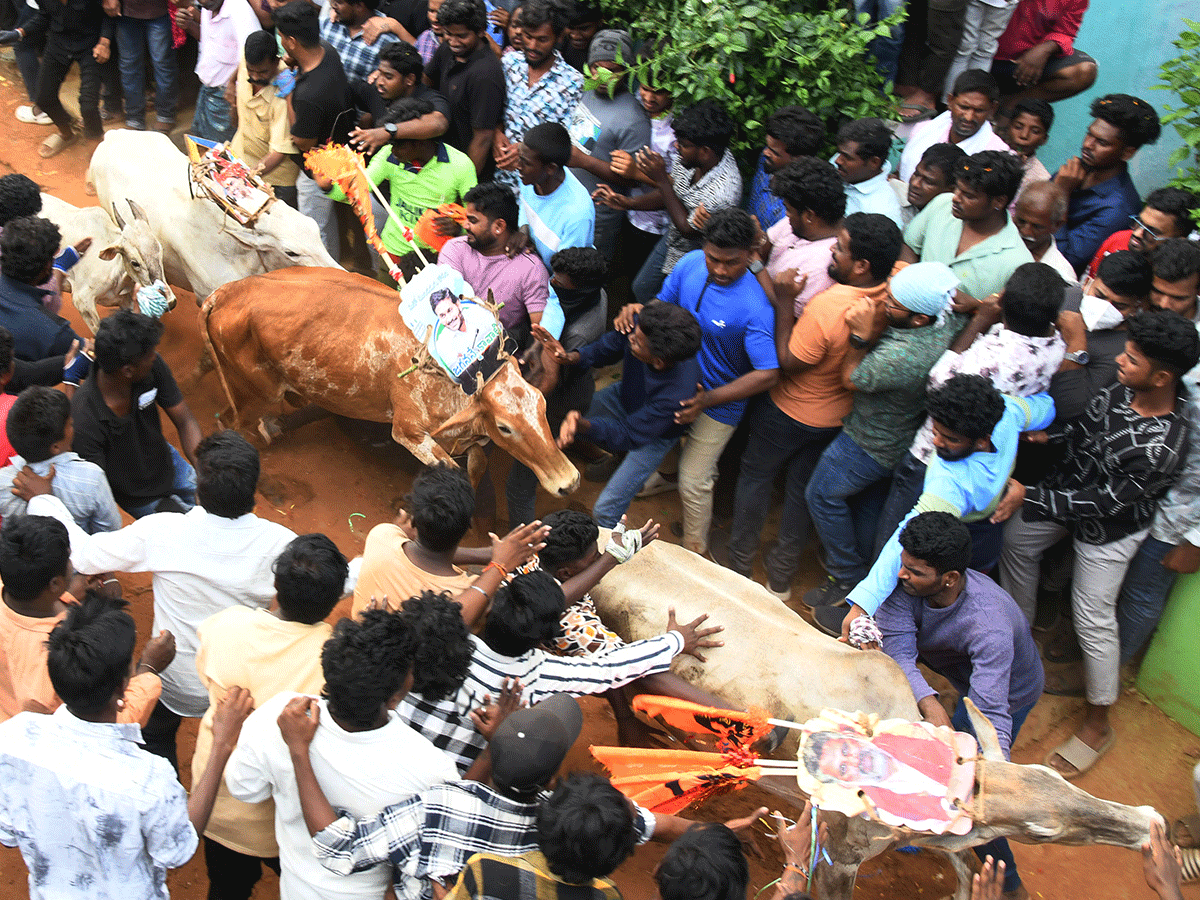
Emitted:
<point x="532" y="743"/>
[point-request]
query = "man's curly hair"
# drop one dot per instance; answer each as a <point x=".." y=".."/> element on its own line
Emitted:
<point x="939" y="539"/>
<point x="439" y="644"/>
<point x="1136" y="119"/>
<point x="365" y="664"/>
<point x="967" y="404"/>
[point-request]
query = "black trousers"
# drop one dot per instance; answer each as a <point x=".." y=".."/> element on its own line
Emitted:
<point x="931" y="38"/>
<point x="56" y="62"/>
<point x="232" y="875"/>
<point x="159" y="735"/>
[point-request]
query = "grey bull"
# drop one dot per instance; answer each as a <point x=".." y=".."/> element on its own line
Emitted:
<point x="774" y="660"/>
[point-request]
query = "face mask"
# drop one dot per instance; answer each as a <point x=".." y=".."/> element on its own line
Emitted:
<point x="1099" y="314"/>
<point x="600" y="79"/>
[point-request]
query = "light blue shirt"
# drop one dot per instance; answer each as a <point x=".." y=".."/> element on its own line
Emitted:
<point x="875" y="195"/>
<point x="81" y="485"/>
<point x="968" y="488"/>
<point x="566" y="217"/>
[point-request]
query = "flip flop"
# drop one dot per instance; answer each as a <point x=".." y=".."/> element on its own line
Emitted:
<point x="1066" y="684"/>
<point x="56" y="143"/>
<point x="1076" y="753"/>
<point x="922" y="113"/>
<point x="1185" y="831"/>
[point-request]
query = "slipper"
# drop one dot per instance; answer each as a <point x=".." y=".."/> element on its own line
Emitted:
<point x="922" y="113"/>
<point x="56" y="143"/>
<point x="1185" y="831"/>
<point x="1066" y="684"/>
<point x="655" y="485"/>
<point x="1079" y="755"/>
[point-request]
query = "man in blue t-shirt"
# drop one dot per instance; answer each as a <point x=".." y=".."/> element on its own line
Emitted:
<point x="737" y="354"/>
<point x="555" y="208"/>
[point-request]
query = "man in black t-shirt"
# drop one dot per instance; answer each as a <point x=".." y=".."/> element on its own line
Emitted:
<point x="469" y="75"/>
<point x="320" y="106"/>
<point x="397" y="77"/>
<point x="117" y="425"/>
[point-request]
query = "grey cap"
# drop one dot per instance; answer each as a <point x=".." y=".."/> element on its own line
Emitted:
<point x="532" y="743"/>
<point x="608" y="43"/>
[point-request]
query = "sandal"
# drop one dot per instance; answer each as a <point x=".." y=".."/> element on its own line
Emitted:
<point x="56" y="143"/>
<point x="1079" y="755"/>
<point x="920" y="113"/>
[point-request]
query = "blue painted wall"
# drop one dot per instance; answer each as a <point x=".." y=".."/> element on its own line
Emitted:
<point x="1130" y="39"/>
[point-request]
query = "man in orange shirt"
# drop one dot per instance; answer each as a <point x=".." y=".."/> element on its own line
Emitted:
<point x="791" y="426"/>
<point x="40" y="585"/>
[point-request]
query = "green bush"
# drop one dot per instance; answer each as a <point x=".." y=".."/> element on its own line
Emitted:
<point x="1182" y="75"/>
<point x="758" y="56"/>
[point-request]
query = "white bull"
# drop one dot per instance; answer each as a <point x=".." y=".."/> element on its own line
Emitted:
<point x="774" y="660"/>
<point x="202" y="247"/>
<point x="123" y="257"/>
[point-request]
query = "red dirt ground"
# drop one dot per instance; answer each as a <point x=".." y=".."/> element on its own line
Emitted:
<point x="318" y="478"/>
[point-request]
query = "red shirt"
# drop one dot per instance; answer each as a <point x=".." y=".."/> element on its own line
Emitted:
<point x="1035" y="21"/>
<point x="1115" y="242"/>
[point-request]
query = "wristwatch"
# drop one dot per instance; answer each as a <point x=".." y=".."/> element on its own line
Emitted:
<point x="1079" y="357"/>
<point x="756" y="266"/>
<point x="390" y="128"/>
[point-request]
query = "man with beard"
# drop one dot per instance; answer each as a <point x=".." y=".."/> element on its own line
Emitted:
<point x="976" y="430"/>
<point x="794" y="423"/>
<point x="541" y="86"/>
<point x="479" y="256"/>
<point x="1101" y="193"/>
<point x="792" y="132"/>
<point x="968" y="630"/>
<point x="966" y="123"/>
<point x="1167" y="214"/>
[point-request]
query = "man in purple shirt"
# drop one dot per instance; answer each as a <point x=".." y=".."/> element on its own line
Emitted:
<point x="966" y="628"/>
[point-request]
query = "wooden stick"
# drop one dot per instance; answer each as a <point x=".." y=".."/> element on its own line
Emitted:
<point x="778" y="763"/>
<point x="392" y="215"/>
<point x="785" y="723"/>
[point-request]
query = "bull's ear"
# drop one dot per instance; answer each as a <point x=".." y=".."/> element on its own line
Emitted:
<point x="138" y="212"/>
<point x="460" y="419"/>
<point x="108" y="253"/>
<point x="117" y="217"/>
<point x="985" y="732"/>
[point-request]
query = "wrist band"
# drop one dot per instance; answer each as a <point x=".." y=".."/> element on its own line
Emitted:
<point x="499" y="568"/>
<point x="148" y="666"/>
<point x="110" y="581"/>
<point x="475" y="587"/>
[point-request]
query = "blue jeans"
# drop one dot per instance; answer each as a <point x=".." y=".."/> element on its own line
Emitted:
<point x="1143" y="596"/>
<point x="845" y="470"/>
<point x="183" y="487"/>
<point x="651" y="276"/>
<point x="212" y="120"/>
<point x="638" y="465"/>
<point x="132" y="37"/>
<point x="886" y="50"/>
<point x="997" y="849"/>
<point x="777" y="441"/>
<point x="907" y="483"/>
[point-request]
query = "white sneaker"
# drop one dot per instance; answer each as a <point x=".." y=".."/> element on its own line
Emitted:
<point x="656" y="484"/>
<point x="29" y="117"/>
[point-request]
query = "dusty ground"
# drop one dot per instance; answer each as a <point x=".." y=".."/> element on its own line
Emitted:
<point x="341" y="480"/>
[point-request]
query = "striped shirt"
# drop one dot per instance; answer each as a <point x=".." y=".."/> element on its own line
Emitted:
<point x="488" y="877"/>
<point x="551" y="98"/>
<point x="79" y="484"/>
<point x="359" y="59"/>
<point x="447" y="723"/>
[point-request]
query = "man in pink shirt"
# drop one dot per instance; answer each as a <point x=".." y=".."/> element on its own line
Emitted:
<point x="815" y="201"/>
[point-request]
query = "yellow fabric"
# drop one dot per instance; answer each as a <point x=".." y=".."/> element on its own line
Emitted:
<point x="387" y="571"/>
<point x="254" y="649"/>
<point x="262" y="127"/>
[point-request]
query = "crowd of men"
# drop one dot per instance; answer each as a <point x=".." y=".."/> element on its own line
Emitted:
<point x="962" y="369"/>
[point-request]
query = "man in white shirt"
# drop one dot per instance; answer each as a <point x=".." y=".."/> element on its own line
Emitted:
<point x="1040" y="211"/>
<point x="363" y="756"/>
<point x="217" y="555"/>
<point x="862" y="152"/>
<point x="966" y="123"/>
<point x="221" y="28"/>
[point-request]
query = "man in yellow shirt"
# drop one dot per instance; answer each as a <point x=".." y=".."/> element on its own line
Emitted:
<point x="263" y="139"/>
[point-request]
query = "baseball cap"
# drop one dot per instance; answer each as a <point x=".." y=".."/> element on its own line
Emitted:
<point x="607" y="45"/>
<point x="531" y="744"/>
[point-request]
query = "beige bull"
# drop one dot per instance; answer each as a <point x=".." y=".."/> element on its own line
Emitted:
<point x="774" y="660"/>
<point x="336" y="340"/>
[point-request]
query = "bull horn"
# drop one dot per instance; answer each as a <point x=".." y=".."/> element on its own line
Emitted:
<point x="138" y="212"/>
<point x="479" y="382"/>
<point x="117" y="217"/>
<point x="985" y="733"/>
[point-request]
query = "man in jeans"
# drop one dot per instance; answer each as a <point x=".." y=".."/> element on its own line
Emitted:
<point x="737" y="354"/>
<point x="888" y="374"/>
<point x="142" y="23"/>
<point x="803" y="412"/>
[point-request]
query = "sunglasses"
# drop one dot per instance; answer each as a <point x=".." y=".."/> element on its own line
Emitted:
<point x="1146" y="229"/>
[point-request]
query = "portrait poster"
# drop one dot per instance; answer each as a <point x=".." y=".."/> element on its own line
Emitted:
<point x="462" y="335"/>
<point x="907" y="774"/>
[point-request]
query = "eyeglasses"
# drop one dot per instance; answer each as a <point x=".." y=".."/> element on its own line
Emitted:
<point x="1146" y="229"/>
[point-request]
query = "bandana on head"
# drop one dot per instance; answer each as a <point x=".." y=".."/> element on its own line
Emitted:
<point x="925" y="287"/>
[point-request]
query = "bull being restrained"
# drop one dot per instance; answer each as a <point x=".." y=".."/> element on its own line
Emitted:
<point x="336" y="340"/>
<point x="794" y="672"/>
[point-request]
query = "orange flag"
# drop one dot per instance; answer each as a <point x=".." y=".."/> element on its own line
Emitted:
<point x="425" y="225"/>
<point x="732" y="728"/>
<point x="344" y="167"/>
<point x="670" y="792"/>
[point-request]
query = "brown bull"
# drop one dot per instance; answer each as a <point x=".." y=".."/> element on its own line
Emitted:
<point x="336" y="339"/>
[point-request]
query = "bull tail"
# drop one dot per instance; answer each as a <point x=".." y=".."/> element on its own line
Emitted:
<point x="205" y="312"/>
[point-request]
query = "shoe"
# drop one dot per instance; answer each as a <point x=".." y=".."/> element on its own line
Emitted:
<point x="29" y="117"/>
<point x="111" y="115"/>
<point x="655" y="485"/>
<point x="832" y="593"/>
<point x="828" y="619"/>
<point x="777" y="585"/>
<point x="133" y="125"/>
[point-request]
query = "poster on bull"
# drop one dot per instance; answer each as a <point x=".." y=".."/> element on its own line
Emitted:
<point x="907" y="774"/>
<point x="462" y="335"/>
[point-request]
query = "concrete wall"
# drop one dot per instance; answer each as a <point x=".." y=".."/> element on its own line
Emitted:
<point x="1130" y="39"/>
